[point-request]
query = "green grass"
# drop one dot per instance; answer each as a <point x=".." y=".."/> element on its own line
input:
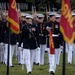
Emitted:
<point x="37" y="70"/>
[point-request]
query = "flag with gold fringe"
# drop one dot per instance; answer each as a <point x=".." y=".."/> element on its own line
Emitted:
<point x="67" y="22"/>
<point x="13" y="18"/>
<point x="51" y="43"/>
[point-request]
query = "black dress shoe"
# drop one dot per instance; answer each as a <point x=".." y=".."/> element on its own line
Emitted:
<point x="69" y="63"/>
<point x="34" y="63"/>
<point x="1" y="62"/>
<point x="29" y="72"/>
<point x="52" y="72"/>
<point x="12" y="66"/>
<point x="19" y="63"/>
<point x="38" y="64"/>
<point x="45" y="51"/>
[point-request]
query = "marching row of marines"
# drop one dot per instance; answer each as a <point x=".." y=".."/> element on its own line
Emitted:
<point x="33" y="39"/>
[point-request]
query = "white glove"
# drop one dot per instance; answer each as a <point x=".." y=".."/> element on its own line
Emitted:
<point x="2" y="43"/>
<point x="21" y="44"/>
<point x="48" y="29"/>
<point x="20" y="48"/>
<point x="61" y="47"/>
<point x="17" y="43"/>
<point x="38" y="48"/>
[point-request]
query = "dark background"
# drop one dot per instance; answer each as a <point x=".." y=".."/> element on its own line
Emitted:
<point x="42" y="4"/>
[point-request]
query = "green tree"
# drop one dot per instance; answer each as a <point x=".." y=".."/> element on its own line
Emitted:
<point x="71" y="1"/>
<point x="41" y="4"/>
<point x="73" y="4"/>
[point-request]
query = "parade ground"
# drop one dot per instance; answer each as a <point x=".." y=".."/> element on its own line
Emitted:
<point x="37" y="70"/>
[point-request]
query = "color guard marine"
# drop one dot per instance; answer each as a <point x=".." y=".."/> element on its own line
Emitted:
<point x="42" y="36"/>
<point x="72" y="51"/>
<point x="30" y="39"/>
<point x="20" y="52"/>
<point x="1" y="27"/>
<point x="1" y="41"/>
<point x="60" y="40"/>
<point x="52" y="24"/>
<point x="74" y="41"/>
<point x="6" y="38"/>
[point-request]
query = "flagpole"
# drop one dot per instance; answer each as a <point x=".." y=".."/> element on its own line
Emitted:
<point x="47" y="10"/>
<point x="64" y="54"/>
<point x="14" y="20"/>
<point x="8" y="49"/>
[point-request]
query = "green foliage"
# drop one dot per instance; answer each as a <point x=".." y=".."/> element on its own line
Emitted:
<point x="73" y="4"/>
<point x="71" y="1"/>
<point x="58" y="1"/>
<point x="41" y="4"/>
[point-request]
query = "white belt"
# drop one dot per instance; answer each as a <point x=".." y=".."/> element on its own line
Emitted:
<point x="55" y="35"/>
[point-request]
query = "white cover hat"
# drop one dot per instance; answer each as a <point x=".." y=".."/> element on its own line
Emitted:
<point x="73" y="14"/>
<point x="57" y="16"/>
<point x="29" y="16"/>
<point x="40" y="15"/>
<point x="24" y="14"/>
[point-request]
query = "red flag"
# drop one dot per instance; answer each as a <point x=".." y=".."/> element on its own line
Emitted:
<point x="51" y="43"/>
<point x="67" y="22"/>
<point x="13" y="16"/>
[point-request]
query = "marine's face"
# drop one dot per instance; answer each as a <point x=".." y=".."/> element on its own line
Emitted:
<point x="0" y="18"/>
<point x="58" y="19"/>
<point x="74" y="18"/>
<point x="40" y="20"/>
<point x="53" y="18"/>
<point x="29" y="21"/>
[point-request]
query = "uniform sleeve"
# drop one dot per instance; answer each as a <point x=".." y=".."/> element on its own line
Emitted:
<point x="25" y="33"/>
<point x="37" y="37"/>
<point x="1" y="33"/>
<point x="4" y="29"/>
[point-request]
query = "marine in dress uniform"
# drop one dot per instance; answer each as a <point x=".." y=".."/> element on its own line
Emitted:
<point x="73" y="14"/>
<point x="60" y="42"/>
<point x="70" y="53"/>
<point x="1" y="41"/>
<point x="20" y="53"/>
<point x="70" y="47"/>
<point x="42" y="37"/>
<point x="54" y="25"/>
<point x="30" y="39"/>
<point x="6" y="41"/>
